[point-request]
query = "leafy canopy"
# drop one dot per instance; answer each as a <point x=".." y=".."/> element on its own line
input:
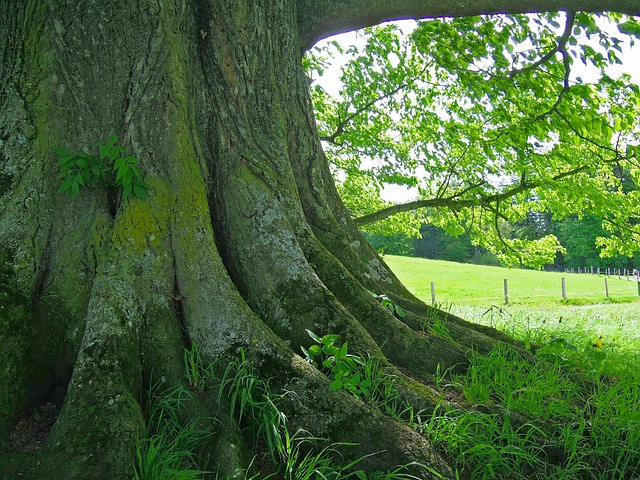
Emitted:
<point x="487" y="118"/>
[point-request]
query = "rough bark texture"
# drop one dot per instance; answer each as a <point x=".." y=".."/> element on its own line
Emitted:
<point x="242" y="242"/>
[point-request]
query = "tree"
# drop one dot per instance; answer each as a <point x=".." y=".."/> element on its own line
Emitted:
<point x="242" y="241"/>
<point x="522" y="116"/>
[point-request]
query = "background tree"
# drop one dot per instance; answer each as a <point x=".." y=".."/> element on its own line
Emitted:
<point x="488" y="120"/>
<point x="242" y="240"/>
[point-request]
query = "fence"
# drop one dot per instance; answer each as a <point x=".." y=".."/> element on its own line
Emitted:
<point x="563" y="286"/>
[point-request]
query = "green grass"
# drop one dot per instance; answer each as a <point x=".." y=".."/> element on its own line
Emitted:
<point x="466" y="284"/>
<point x="511" y="413"/>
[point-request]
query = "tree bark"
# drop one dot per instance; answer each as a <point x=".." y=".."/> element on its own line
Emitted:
<point x="242" y="242"/>
<point x="323" y="18"/>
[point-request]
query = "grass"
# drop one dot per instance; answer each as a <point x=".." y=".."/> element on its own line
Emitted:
<point x="575" y="414"/>
<point x="521" y="420"/>
<point x="476" y="285"/>
<point x="169" y="446"/>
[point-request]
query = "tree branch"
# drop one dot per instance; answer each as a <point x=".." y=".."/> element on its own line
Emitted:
<point x="318" y="19"/>
<point x="455" y="202"/>
<point x="340" y="128"/>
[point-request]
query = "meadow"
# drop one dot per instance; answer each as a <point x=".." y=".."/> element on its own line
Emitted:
<point x="594" y="421"/>
<point x="467" y="284"/>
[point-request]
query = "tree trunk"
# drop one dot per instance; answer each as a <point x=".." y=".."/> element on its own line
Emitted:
<point x="242" y="242"/>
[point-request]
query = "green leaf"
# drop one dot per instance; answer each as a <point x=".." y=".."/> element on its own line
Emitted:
<point x="313" y="336"/>
<point x="62" y="151"/>
<point x="343" y="350"/>
<point x="329" y="339"/>
<point x="630" y="27"/>
<point x="66" y="184"/>
<point x="75" y="188"/>
<point x="114" y="152"/>
<point x="336" y="385"/>
<point x="119" y="163"/>
<point x="126" y="190"/>
<point x="104" y="150"/>
<point x="135" y="171"/>
<point x="139" y="191"/>
<point x="66" y="160"/>
<point x="122" y="171"/>
<point x="315" y="351"/>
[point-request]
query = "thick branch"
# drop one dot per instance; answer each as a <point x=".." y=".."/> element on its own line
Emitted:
<point x="318" y="19"/>
<point x="455" y="202"/>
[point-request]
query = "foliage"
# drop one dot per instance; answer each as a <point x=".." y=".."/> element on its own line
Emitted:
<point x="197" y="370"/>
<point x="169" y="444"/>
<point x="344" y="369"/>
<point x="488" y="119"/>
<point x="111" y="169"/>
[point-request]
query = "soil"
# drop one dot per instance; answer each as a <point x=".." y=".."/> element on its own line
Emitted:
<point x="32" y="428"/>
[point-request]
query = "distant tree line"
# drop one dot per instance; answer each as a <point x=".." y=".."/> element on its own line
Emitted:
<point x="577" y="235"/>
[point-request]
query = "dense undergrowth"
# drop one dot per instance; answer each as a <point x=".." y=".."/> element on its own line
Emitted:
<point x="567" y="409"/>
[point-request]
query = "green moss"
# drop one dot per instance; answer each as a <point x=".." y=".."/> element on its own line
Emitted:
<point x="14" y="319"/>
<point x="39" y="465"/>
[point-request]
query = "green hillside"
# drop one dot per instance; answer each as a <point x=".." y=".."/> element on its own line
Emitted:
<point x="463" y="283"/>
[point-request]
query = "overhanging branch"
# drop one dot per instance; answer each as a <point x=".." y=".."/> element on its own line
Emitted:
<point x="456" y="202"/>
<point x="318" y="19"/>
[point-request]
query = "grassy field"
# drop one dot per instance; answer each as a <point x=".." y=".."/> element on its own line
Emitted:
<point x="595" y="337"/>
<point x="536" y="311"/>
<point x="465" y="284"/>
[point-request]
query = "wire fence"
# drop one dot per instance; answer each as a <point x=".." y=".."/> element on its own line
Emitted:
<point x="506" y="296"/>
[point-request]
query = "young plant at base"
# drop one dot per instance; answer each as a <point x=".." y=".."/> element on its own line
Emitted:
<point x="197" y="371"/>
<point x="389" y="304"/>
<point x="344" y="369"/>
<point x="168" y="448"/>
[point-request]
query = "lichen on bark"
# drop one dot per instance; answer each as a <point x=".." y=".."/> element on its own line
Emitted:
<point x="243" y="241"/>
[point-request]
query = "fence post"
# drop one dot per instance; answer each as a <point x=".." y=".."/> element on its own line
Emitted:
<point x="433" y="293"/>
<point x="506" y="291"/>
<point x="591" y="269"/>
<point x="606" y="288"/>
<point x="564" y="289"/>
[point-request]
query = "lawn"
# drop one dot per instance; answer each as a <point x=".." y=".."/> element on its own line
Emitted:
<point x="466" y="284"/>
<point x="536" y="311"/>
<point x="588" y="337"/>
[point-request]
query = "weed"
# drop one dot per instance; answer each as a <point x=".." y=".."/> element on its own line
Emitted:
<point x="168" y="448"/>
<point x="389" y="304"/>
<point x="197" y="370"/>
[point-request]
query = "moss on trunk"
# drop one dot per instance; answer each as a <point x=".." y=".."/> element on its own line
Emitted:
<point x="242" y="242"/>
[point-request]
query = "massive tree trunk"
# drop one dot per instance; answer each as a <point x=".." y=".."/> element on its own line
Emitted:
<point x="242" y="242"/>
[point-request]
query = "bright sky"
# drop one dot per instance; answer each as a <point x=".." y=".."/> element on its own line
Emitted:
<point x="630" y="58"/>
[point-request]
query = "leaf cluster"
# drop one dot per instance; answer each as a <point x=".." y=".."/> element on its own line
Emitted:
<point x="345" y="370"/>
<point x="112" y="169"/>
<point x="389" y="304"/>
<point x="487" y="119"/>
